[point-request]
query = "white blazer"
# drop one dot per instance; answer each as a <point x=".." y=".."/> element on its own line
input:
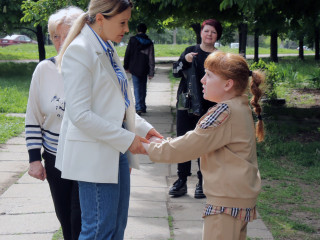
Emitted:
<point x="91" y="136"/>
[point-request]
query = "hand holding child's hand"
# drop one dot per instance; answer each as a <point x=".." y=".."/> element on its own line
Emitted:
<point x="136" y="146"/>
<point x="153" y="133"/>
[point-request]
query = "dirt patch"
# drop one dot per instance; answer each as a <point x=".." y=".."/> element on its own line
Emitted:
<point x="304" y="98"/>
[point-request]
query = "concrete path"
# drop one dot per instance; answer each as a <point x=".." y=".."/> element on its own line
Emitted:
<point x="26" y="208"/>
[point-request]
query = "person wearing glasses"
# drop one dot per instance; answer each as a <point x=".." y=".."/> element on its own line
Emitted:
<point x="100" y="132"/>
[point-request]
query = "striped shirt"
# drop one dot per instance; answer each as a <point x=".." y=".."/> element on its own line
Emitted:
<point x="44" y="111"/>
<point x="120" y="75"/>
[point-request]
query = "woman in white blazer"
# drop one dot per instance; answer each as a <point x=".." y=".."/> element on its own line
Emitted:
<point x="100" y="123"/>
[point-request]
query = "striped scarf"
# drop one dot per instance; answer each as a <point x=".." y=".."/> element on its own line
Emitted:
<point x="121" y="77"/>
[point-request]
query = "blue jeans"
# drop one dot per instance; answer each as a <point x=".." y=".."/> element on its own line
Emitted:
<point x="140" y="92"/>
<point x="105" y="206"/>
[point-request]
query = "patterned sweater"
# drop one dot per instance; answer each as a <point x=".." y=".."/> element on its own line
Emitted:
<point x="224" y="139"/>
<point x="44" y="111"/>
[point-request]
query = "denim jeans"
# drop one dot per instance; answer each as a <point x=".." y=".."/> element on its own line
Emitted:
<point x="105" y="206"/>
<point x="140" y="92"/>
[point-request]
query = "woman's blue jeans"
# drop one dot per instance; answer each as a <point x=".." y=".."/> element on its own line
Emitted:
<point x="105" y="206"/>
<point x="140" y="92"/>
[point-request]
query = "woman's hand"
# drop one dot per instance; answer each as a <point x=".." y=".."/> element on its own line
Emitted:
<point x="153" y="133"/>
<point x="136" y="146"/>
<point x="37" y="170"/>
<point x="190" y="56"/>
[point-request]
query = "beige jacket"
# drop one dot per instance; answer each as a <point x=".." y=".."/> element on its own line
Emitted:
<point x="225" y="140"/>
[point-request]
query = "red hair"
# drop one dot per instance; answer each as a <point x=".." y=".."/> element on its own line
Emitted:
<point x="214" y="23"/>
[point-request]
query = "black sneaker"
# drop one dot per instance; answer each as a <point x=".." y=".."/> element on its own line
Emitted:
<point x="179" y="188"/>
<point x="198" y="193"/>
<point x="139" y="112"/>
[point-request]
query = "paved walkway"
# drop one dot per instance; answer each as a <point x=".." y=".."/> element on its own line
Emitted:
<point x="26" y="208"/>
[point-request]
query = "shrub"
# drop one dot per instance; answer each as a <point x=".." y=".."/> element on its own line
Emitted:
<point x="273" y="76"/>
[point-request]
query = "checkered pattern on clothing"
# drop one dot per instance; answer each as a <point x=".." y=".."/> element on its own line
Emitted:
<point x="243" y="214"/>
<point x="220" y="114"/>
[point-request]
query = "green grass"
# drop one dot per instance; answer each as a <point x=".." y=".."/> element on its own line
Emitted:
<point x="58" y="235"/>
<point x="25" y="51"/>
<point x="30" y="51"/>
<point x="10" y="127"/>
<point x="289" y="163"/>
<point x="14" y="86"/>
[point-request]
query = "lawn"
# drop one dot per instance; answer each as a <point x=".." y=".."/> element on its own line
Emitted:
<point x="10" y="127"/>
<point x="289" y="162"/>
<point x="30" y="51"/>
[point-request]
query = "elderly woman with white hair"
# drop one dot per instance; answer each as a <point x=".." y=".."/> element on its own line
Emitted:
<point x="43" y="121"/>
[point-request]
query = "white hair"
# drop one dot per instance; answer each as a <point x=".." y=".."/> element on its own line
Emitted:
<point x="65" y="16"/>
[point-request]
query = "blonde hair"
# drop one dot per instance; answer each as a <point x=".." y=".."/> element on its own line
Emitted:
<point x="65" y="16"/>
<point x="108" y="8"/>
<point x="235" y="67"/>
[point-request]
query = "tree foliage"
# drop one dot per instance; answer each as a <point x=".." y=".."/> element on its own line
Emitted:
<point x="10" y="15"/>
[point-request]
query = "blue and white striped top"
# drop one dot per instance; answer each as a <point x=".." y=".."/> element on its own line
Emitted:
<point x="44" y="111"/>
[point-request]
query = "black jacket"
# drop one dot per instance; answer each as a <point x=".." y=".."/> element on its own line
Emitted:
<point x="180" y="69"/>
<point x="139" y="56"/>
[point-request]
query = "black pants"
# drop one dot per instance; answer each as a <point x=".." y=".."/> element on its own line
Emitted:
<point x="65" y="195"/>
<point x="185" y="123"/>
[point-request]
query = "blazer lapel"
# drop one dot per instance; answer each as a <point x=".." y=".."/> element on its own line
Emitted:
<point x="105" y="61"/>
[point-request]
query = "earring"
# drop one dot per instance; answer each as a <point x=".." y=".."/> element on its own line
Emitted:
<point x="100" y="29"/>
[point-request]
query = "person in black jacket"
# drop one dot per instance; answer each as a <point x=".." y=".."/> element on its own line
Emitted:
<point x="139" y="61"/>
<point x="211" y="31"/>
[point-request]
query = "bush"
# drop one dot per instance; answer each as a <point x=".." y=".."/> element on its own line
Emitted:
<point x="9" y="69"/>
<point x="273" y="76"/>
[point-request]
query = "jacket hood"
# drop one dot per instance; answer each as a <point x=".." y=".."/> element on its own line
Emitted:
<point x="144" y="40"/>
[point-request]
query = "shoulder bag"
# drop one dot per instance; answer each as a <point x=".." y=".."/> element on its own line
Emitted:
<point x="191" y="100"/>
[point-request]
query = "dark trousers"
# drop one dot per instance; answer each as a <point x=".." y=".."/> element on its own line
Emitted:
<point x="186" y="122"/>
<point x="140" y="92"/>
<point x="65" y="195"/>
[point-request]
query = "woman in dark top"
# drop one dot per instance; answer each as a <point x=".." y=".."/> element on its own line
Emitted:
<point x="211" y="31"/>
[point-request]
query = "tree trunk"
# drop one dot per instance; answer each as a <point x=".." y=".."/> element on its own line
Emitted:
<point x="243" y="37"/>
<point x="174" y="41"/>
<point x="40" y="39"/>
<point x="240" y="37"/>
<point x="274" y="46"/>
<point x="197" y="29"/>
<point x="301" y="49"/>
<point x="316" y="43"/>
<point x="256" y="45"/>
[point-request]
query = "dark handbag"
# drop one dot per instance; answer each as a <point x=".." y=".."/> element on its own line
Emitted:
<point x="195" y="89"/>
<point x="192" y="99"/>
<point x="184" y="101"/>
